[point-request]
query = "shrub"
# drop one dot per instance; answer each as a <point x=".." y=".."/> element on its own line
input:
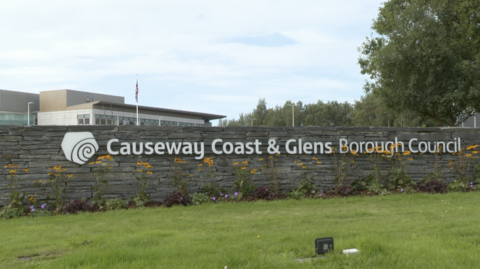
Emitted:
<point x="143" y="171"/>
<point x="59" y="180"/>
<point x="101" y="179"/>
<point x="434" y="186"/>
<point x="76" y="206"/>
<point x="200" y="198"/>
<point x="265" y="193"/>
<point x="244" y="182"/>
<point x="114" y="204"/>
<point x="344" y="190"/>
<point x="177" y="198"/>
<point x="212" y="189"/>
<point x="457" y="186"/>
<point x="11" y="212"/>
<point x="296" y="194"/>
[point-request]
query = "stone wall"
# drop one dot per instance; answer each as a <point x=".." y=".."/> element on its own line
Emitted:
<point x="39" y="147"/>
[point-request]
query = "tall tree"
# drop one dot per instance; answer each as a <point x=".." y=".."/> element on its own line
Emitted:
<point x="427" y="58"/>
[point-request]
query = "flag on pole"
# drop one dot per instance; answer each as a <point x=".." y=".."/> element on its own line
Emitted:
<point x="136" y="92"/>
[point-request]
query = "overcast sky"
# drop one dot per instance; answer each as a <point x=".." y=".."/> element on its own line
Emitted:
<point x="207" y="56"/>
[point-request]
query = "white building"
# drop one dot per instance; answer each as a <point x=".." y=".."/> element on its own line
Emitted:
<point x="69" y="107"/>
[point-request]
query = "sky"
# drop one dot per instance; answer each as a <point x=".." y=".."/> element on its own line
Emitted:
<point x="212" y="56"/>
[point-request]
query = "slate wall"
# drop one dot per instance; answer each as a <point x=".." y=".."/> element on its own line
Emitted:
<point x="39" y="148"/>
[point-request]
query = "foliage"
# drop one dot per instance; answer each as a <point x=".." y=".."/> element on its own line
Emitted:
<point x="143" y="171"/>
<point x="271" y="170"/>
<point x="59" y="181"/>
<point x="200" y="198"/>
<point x="265" y="193"/>
<point x="342" y="164"/>
<point x="115" y="204"/>
<point x="212" y="189"/>
<point x="177" y="198"/>
<point x="179" y="176"/>
<point x="463" y="162"/>
<point x="457" y="186"/>
<point x="244" y="182"/>
<point x="40" y="212"/>
<point x="100" y="175"/>
<point x="434" y="186"/>
<point x="16" y="198"/>
<point x="76" y="206"/>
<point x="426" y="58"/>
<point x="307" y="183"/>
<point x="399" y="179"/>
<point x="372" y="181"/>
<point x="369" y="111"/>
<point x="8" y="212"/>
<point x="344" y="190"/>
<point x="296" y="194"/>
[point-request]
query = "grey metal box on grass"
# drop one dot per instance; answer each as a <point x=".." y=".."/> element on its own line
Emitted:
<point x="323" y="245"/>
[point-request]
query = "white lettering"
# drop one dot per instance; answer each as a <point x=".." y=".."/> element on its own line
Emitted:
<point x="159" y="148"/>
<point x="213" y="146"/>
<point x="140" y="150"/>
<point x="125" y="150"/>
<point x="229" y="146"/>
<point x="240" y="148"/>
<point x="287" y="147"/>
<point x="109" y="146"/>
<point x="149" y="148"/>
<point x="307" y="148"/>
<point x="199" y="152"/>
<point x="410" y="145"/>
<point x="187" y="148"/>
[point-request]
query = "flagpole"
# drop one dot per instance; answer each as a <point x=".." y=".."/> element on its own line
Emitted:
<point x="136" y="97"/>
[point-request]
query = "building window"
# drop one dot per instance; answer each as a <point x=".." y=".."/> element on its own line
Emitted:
<point x="105" y="120"/>
<point x="148" y="122"/>
<point x="127" y="121"/>
<point x="83" y="119"/>
<point x="169" y="123"/>
<point x="186" y="124"/>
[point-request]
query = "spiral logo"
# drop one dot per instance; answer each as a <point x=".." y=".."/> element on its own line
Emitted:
<point x="79" y="147"/>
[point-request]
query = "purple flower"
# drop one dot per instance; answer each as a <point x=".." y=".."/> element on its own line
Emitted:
<point x="418" y="188"/>
<point x="43" y="206"/>
<point x="320" y="195"/>
<point x="226" y="195"/>
<point x="321" y="190"/>
<point x="235" y="194"/>
<point x="314" y="191"/>
<point x="401" y="190"/>
<point x="213" y="198"/>
<point x="32" y="209"/>
<point x="334" y="186"/>
<point x="221" y="194"/>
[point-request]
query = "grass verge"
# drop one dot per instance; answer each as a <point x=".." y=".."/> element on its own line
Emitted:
<point x="397" y="231"/>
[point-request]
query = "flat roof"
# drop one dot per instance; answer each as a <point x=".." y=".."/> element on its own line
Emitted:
<point x="157" y="110"/>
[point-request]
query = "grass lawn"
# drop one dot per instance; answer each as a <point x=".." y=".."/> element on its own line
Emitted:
<point x="397" y="231"/>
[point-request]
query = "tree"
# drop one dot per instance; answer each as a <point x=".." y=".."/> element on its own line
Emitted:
<point x="426" y="59"/>
<point x="260" y="112"/>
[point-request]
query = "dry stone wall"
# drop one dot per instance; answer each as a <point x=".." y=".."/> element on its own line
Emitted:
<point x="39" y="147"/>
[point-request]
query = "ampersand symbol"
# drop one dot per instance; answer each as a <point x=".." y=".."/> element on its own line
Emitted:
<point x="272" y="147"/>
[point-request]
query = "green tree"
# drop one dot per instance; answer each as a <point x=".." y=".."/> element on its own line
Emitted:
<point x="260" y="113"/>
<point x="426" y="58"/>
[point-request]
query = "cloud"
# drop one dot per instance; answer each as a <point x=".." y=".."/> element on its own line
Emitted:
<point x="226" y="54"/>
<point x="271" y="40"/>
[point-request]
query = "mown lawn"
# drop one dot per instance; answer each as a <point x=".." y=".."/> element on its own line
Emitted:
<point x="397" y="231"/>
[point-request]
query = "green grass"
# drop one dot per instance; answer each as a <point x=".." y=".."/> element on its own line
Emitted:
<point x="397" y="231"/>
